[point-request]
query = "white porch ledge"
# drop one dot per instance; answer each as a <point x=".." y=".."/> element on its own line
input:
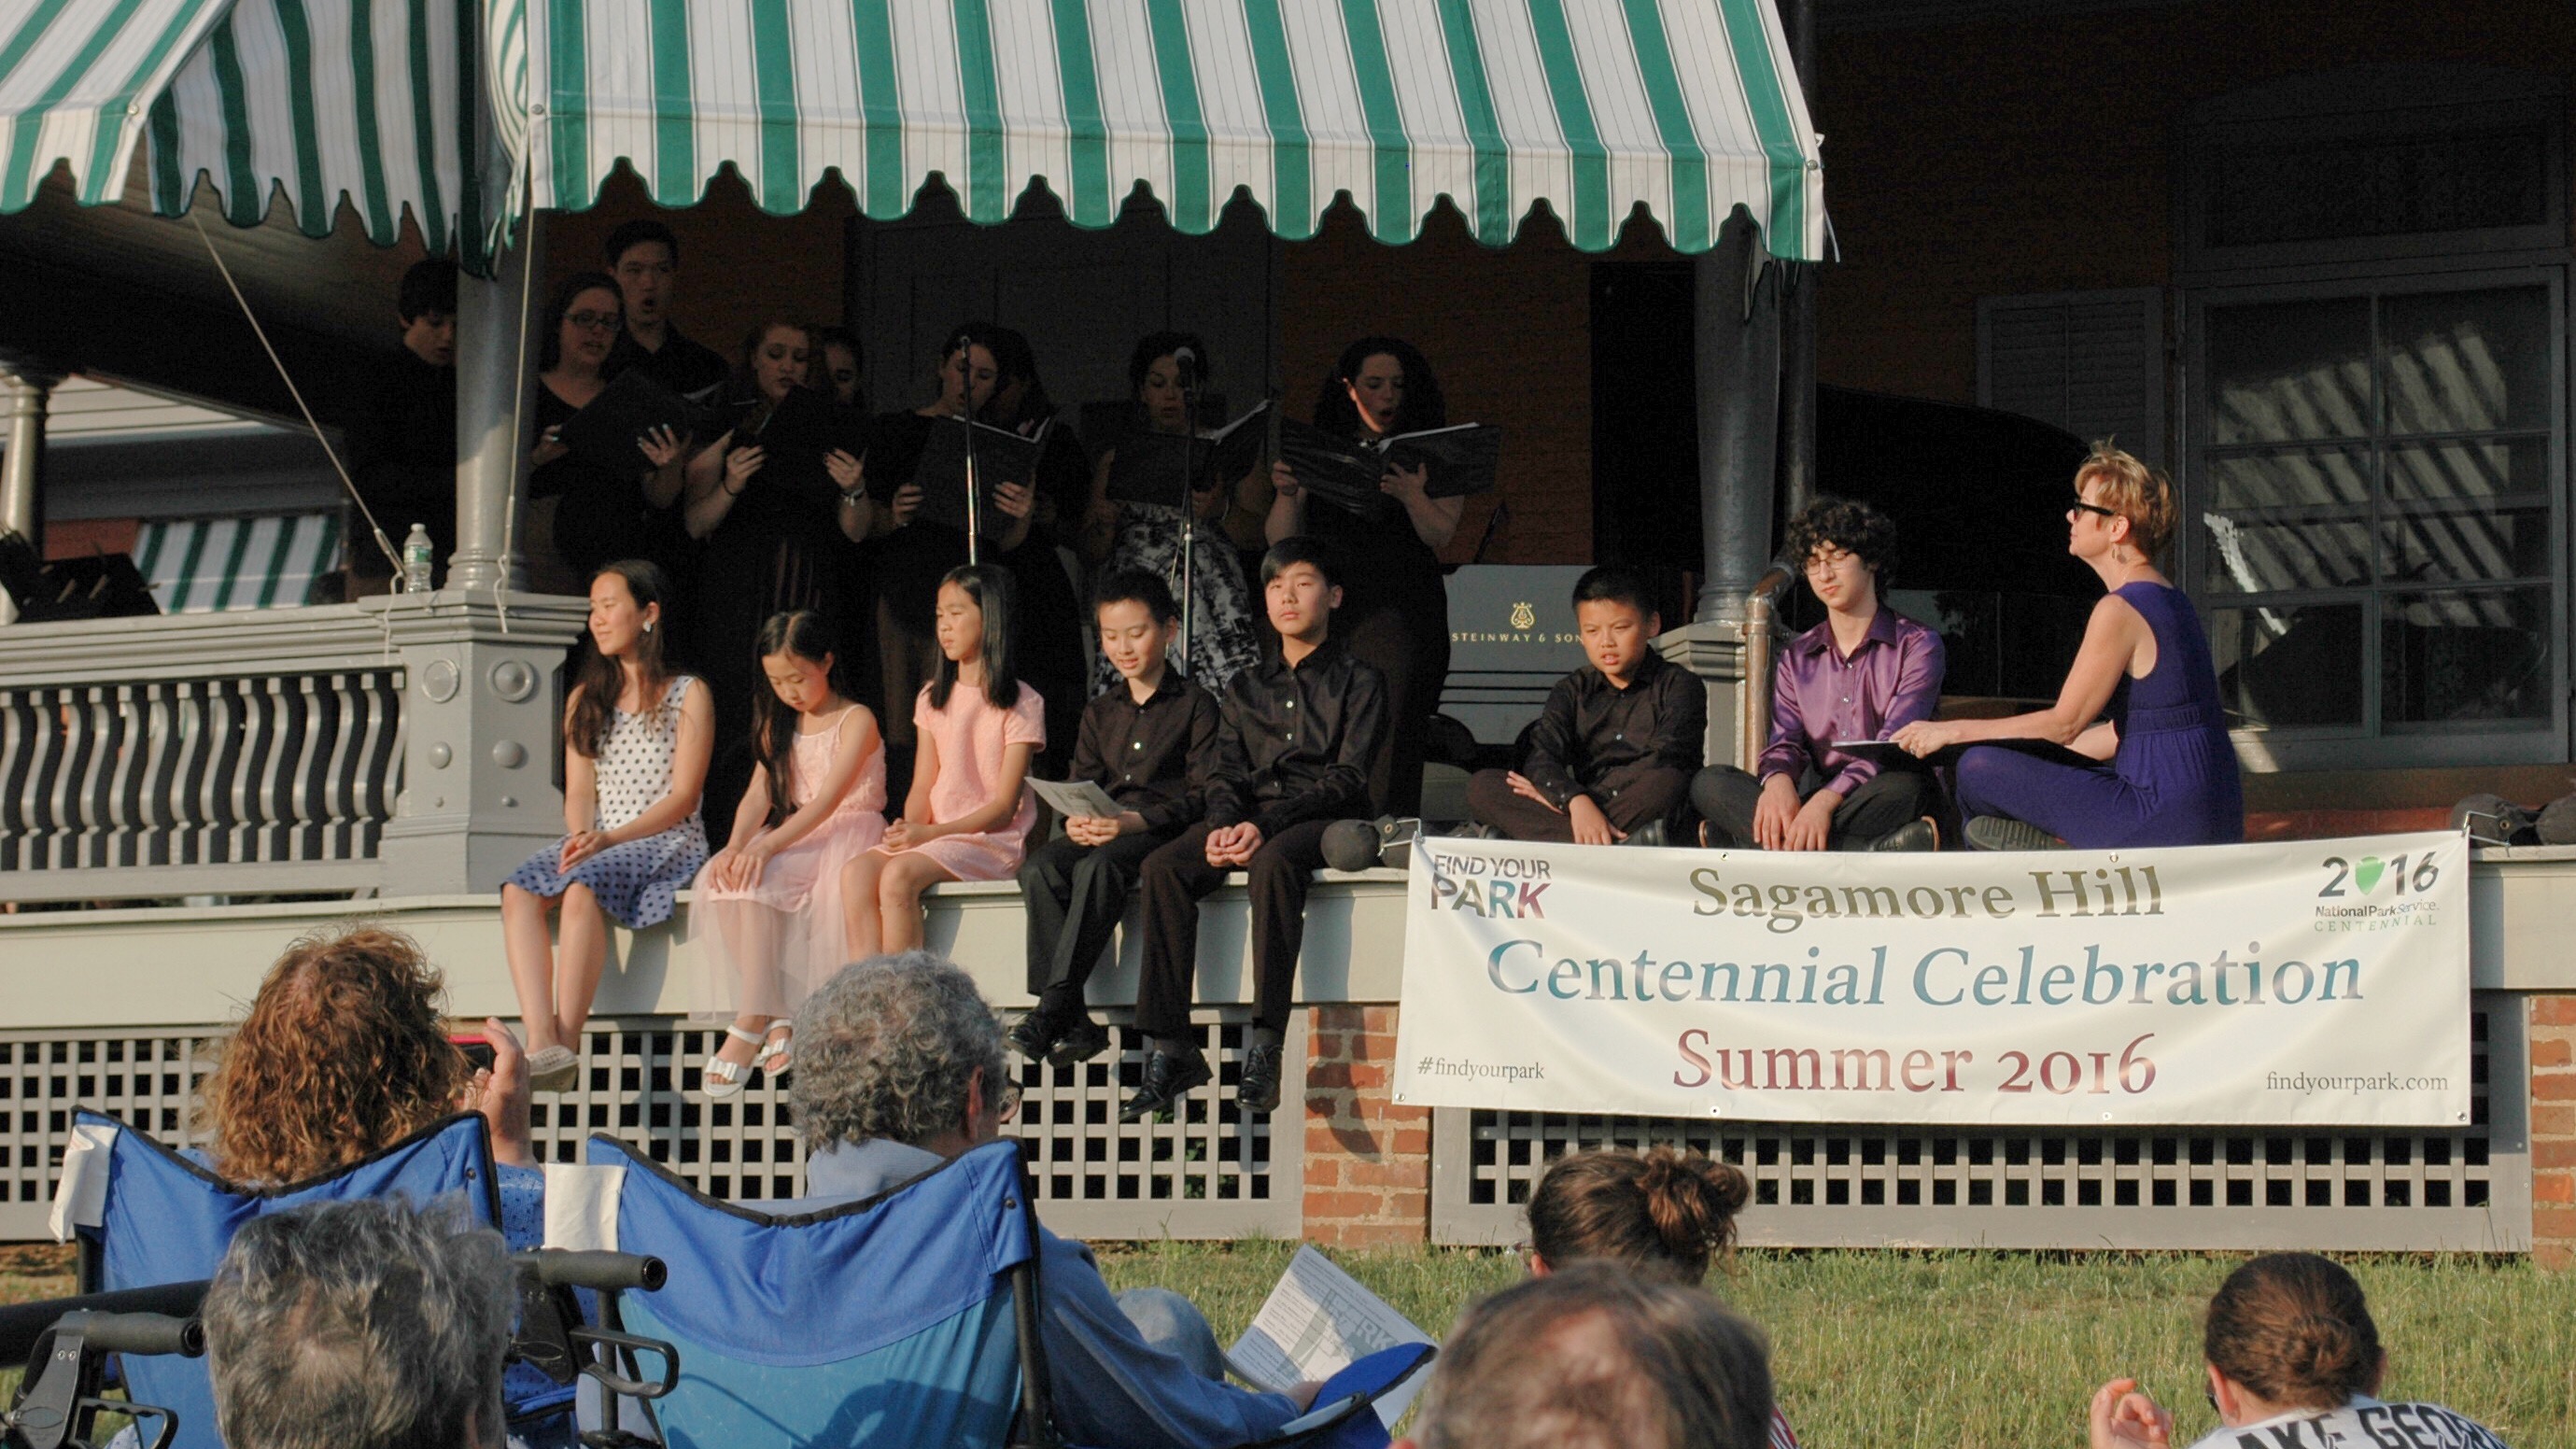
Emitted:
<point x="196" y="966"/>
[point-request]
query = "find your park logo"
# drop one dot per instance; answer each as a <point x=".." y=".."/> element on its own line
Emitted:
<point x="1497" y="887"/>
<point x="2371" y="894"/>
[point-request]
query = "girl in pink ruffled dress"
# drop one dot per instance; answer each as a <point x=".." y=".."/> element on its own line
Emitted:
<point x="768" y="915"/>
<point x="970" y="808"/>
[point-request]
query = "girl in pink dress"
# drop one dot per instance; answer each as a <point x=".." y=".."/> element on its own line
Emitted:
<point x="769" y="909"/>
<point x="970" y="809"/>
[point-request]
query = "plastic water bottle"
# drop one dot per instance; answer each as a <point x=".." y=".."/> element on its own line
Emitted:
<point x="418" y="556"/>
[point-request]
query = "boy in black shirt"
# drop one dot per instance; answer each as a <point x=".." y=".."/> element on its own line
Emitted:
<point x="644" y="257"/>
<point x="1299" y="732"/>
<point x="402" y="446"/>
<point x="1153" y="743"/>
<point x="1612" y="756"/>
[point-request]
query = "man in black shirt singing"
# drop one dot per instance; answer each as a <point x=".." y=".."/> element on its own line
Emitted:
<point x="1299" y="731"/>
<point x="1153" y="743"/>
<point x="1612" y="755"/>
<point x="402" y="444"/>
<point x="645" y="258"/>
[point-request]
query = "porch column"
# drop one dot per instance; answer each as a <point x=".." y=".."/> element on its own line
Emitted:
<point x="496" y="348"/>
<point x="22" y="471"/>
<point x="1736" y="366"/>
<point x="1798" y="306"/>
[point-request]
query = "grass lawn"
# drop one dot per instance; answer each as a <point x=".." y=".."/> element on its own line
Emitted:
<point x="1936" y="1349"/>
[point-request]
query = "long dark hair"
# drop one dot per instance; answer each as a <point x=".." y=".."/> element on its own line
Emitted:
<point x="550" y="334"/>
<point x="1015" y="359"/>
<point x="1150" y="348"/>
<point x="807" y="635"/>
<point x="992" y="592"/>
<point x="1665" y="1214"/>
<point x="1424" y="407"/>
<point x="600" y="679"/>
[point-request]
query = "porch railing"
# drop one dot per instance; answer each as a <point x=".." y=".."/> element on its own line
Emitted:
<point x="198" y="754"/>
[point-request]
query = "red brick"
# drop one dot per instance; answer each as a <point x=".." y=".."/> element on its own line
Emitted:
<point x="1340" y="1016"/>
<point x="2557" y="1257"/>
<point x="2553" y="1222"/>
<point x="1415" y="1174"/>
<point x="1328" y="1046"/>
<point x="2553" y="1086"/>
<point x="1410" y="1142"/>
<point x="2556" y="1152"/>
<point x="2553" y="1187"/>
<point x="1340" y="1204"/>
<point x="1399" y="1112"/>
<point x="2553" y="1011"/>
<point x="1323" y="1170"/>
<point x="2553" y="1121"/>
<point x="2546" y="1053"/>
<point x="1380" y="1019"/>
<point x="1370" y="1235"/>
<point x="1367" y="1075"/>
<point x="1332" y="1074"/>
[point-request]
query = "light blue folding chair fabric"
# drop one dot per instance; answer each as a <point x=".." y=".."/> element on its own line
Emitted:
<point x="161" y="1218"/>
<point x="888" y="1321"/>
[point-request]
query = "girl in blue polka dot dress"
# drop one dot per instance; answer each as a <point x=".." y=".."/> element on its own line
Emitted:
<point x="636" y="742"/>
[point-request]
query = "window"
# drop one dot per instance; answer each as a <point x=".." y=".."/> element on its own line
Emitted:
<point x="2378" y="485"/>
<point x="2374" y="266"/>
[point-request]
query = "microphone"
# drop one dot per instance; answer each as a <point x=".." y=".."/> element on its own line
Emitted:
<point x="1186" y="362"/>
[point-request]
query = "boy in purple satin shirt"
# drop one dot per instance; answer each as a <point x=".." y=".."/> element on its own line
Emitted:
<point x="1863" y="674"/>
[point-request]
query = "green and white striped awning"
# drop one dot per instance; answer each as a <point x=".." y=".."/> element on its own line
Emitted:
<point x="1687" y="108"/>
<point x="327" y="99"/>
<point x="211" y="565"/>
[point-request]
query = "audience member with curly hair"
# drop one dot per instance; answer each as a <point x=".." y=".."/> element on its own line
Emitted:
<point x="900" y="1066"/>
<point x="2293" y="1358"/>
<point x="345" y="1052"/>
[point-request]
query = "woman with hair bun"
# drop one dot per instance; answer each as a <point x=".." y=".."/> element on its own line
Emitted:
<point x="2293" y="1359"/>
<point x="1665" y="1215"/>
<point x="2169" y="775"/>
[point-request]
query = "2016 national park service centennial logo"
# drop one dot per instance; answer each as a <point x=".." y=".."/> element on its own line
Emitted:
<point x="1523" y="616"/>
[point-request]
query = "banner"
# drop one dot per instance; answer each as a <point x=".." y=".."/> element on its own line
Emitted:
<point x="2320" y="982"/>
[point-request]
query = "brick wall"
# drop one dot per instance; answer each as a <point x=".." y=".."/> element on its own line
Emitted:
<point x="2553" y="1131"/>
<point x="2034" y="153"/>
<point x="1368" y="1160"/>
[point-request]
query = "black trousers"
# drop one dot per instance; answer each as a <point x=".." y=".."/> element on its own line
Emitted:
<point x="1726" y="796"/>
<point x="1177" y="877"/>
<point x="1634" y="796"/>
<point x="1404" y="631"/>
<point x="1074" y="895"/>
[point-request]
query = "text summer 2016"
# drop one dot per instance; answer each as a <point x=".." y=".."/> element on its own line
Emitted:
<point x="1942" y="976"/>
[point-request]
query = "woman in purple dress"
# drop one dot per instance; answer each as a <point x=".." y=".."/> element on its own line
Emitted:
<point x="2143" y="672"/>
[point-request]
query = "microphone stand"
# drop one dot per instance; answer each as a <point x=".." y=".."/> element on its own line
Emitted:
<point x="1189" y="501"/>
<point x="974" y="483"/>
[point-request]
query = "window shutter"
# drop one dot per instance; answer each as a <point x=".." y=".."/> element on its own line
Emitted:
<point x="2089" y="362"/>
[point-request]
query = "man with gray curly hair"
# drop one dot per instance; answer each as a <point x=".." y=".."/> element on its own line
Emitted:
<point x="360" y="1325"/>
<point x="900" y="1067"/>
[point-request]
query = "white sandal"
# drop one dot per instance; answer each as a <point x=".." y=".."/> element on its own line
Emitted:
<point x="722" y="1078"/>
<point x="774" y="1049"/>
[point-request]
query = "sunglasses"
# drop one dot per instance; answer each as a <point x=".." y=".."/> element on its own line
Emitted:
<point x="2096" y="509"/>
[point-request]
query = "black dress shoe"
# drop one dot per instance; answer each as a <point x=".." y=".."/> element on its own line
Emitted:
<point x="1653" y="835"/>
<point x="1168" y="1078"/>
<point x="1081" y="1041"/>
<point x="1033" y="1035"/>
<point x="1912" y="835"/>
<point x="1259" y="1089"/>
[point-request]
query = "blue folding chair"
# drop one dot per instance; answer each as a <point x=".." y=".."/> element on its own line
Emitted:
<point x="906" y="1318"/>
<point x="143" y="1216"/>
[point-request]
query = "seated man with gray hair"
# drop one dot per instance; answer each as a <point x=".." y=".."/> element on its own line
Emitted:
<point x="900" y="1067"/>
<point x="360" y="1325"/>
<point x="1592" y="1356"/>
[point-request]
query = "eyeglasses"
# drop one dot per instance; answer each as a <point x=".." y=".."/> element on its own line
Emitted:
<point x="2096" y="509"/>
<point x="595" y="321"/>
